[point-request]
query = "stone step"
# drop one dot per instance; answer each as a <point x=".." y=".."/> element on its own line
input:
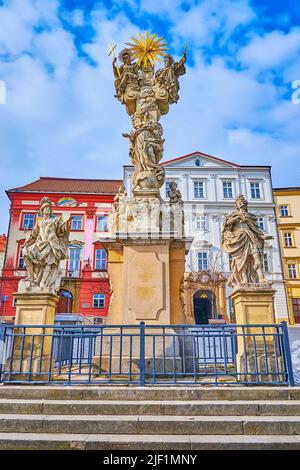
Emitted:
<point x="152" y="407"/>
<point x="169" y="425"/>
<point x="148" y="393"/>
<point x="37" y="441"/>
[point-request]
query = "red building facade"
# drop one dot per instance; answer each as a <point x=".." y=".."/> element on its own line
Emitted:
<point x="85" y="287"/>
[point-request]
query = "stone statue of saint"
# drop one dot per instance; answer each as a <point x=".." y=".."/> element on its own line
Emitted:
<point x="174" y="194"/>
<point x="244" y="241"/>
<point x="119" y="209"/>
<point x="126" y="80"/>
<point x="46" y="245"/>
<point x="167" y="77"/>
<point x="147" y="96"/>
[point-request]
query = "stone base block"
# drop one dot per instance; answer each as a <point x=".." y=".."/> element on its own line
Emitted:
<point x="146" y="275"/>
<point x="31" y="348"/>
<point x="163" y="354"/>
<point x="260" y="367"/>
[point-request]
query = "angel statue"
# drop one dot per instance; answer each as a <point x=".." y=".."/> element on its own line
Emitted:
<point x="45" y="246"/>
<point x="244" y="241"/>
<point x="126" y="79"/>
<point x="167" y="77"/>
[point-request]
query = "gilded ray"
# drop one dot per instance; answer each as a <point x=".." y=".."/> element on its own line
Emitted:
<point x="147" y="50"/>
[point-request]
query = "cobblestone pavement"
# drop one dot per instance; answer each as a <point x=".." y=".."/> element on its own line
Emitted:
<point x="294" y="335"/>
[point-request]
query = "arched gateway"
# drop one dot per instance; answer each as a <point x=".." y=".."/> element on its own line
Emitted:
<point x="203" y="300"/>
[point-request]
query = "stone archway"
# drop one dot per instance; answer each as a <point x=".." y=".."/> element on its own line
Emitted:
<point x="65" y="303"/>
<point x="201" y="281"/>
<point x="203" y="306"/>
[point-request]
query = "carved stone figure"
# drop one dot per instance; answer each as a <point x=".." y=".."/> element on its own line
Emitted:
<point x="126" y="80"/>
<point x="119" y="210"/>
<point x="147" y="96"/>
<point x="174" y="194"/>
<point x="46" y="245"/>
<point x="176" y="210"/>
<point x="244" y="241"/>
<point x="167" y="77"/>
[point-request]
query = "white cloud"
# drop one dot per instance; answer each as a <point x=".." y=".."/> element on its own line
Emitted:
<point x="68" y="123"/>
<point x="271" y="50"/>
<point x="203" y="21"/>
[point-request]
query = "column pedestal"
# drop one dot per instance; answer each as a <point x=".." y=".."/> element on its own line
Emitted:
<point x="31" y="353"/>
<point x="256" y="353"/>
<point x="145" y="276"/>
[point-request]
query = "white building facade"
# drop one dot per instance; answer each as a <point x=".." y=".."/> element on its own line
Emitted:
<point x="209" y="186"/>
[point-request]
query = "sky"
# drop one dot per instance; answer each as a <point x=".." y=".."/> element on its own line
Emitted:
<point x="61" y="117"/>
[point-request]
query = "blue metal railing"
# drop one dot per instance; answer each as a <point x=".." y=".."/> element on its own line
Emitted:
<point x="146" y="354"/>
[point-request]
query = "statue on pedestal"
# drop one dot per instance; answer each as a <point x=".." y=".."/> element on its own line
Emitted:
<point x="244" y="241"/>
<point x="45" y="246"/>
<point x="146" y="96"/>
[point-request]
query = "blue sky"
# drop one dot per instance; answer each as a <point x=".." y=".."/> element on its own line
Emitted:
<point x="61" y="117"/>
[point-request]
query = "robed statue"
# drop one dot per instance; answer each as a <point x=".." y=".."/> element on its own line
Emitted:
<point x="45" y="247"/>
<point x="244" y="241"/>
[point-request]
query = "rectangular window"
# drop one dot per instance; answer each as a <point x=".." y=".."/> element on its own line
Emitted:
<point x="28" y="221"/>
<point x="255" y="190"/>
<point x="202" y="261"/>
<point x="200" y="222"/>
<point x="100" y="259"/>
<point x="74" y="262"/>
<point x="167" y="187"/>
<point x="266" y="263"/>
<point x="230" y="261"/>
<point x="292" y="271"/>
<point x="284" y="211"/>
<point x="288" y="240"/>
<point x="261" y="223"/>
<point x="99" y="300"/>
<point x="102" y="223"/>
<point x="76" y="222"/>
<point x="296" y="309"/>
<point x="198" y="189"/>
<point x="227" y="190"/>
<point x="21" y="262"/>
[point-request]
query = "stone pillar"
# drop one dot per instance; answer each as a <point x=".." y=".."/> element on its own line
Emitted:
<point x="32" y="354"/>
<point x="255" y="306"/>
<point x="145" y="276"/>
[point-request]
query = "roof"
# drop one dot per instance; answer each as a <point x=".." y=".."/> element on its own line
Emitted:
<point x="291" y="188"/>
<point x="200" y="153"/>
<point x="70" y="185"/>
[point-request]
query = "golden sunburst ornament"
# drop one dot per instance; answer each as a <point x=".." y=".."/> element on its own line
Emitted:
<point x="148" y="49"/>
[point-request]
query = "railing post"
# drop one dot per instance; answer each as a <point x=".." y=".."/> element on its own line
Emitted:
<point x="142" y="354"/>
<point x="287" y="354"/>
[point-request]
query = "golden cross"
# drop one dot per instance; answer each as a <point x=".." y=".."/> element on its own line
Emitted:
<point x="112" y="49"/>
<point x="112" y="52"/>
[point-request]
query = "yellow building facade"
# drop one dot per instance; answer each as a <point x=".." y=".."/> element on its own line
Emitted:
<point x="288" y="219"/>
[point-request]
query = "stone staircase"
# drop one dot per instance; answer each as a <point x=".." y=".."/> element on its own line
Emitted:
<point x="150" y="418"/>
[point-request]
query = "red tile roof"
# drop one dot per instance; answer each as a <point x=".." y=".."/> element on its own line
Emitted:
<point x="70" y="185"/>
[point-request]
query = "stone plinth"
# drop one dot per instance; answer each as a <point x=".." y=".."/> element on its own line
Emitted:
<point x="165" y="351"/>
<point x="33" y="353"/>
<point x="145" y="276"/>
<point x="255" y="305"/>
